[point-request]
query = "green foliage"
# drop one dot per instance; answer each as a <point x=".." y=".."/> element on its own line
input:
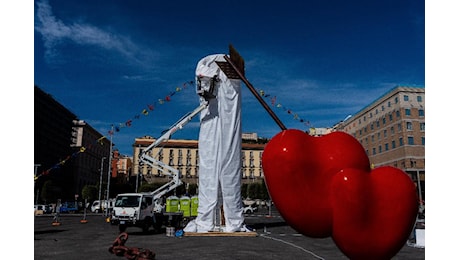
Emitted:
<point x="49" y="192"/>
<point x="251" y="192"/>
<point x="89" y="192"/>
<point x="254" y="190"/>
<point x="264" y="191"/>
<point x="147" y="187"/>
<point x="192" y="189"/>
<point x="244" y="190"/>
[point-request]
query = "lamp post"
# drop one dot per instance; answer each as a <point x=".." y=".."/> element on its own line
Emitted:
<point x="35" y="175"/>
<point x="138" y="167"/>
<point x="109" y="174"/>
<point x="100" y="182"/>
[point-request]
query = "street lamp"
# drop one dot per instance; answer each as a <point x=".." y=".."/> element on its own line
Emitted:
<point x="35" y="175"/>
<point x="109" y="173"/>
<point x="100" y="182"/>
<point x="138" y="167"/>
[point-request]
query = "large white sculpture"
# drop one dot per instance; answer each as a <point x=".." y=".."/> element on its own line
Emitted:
<point x="219" y="147"/>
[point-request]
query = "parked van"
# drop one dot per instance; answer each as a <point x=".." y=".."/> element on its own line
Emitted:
<point x="96" y="206"/>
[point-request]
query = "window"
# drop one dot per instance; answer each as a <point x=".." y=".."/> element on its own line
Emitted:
<point x="423" y="140"/>
<point x="386" y="147"/>
<point x="378" y="136"/>
<point x="380" y="149"/>
<point x="396" y="100"/>
<point x="407" y="111"/>
<point x="409" y="126"/>
<point x="385" y="133"/>
<point x="419" y="98"/>
<point x="401" y="142"/>
<point x="390" y="117"/>
<point x="397" y="113"/>
<point x="189" y="157"/>
<point x="410" y="140"/>
<point x="393" y="144"/>
<point x="392" y="130"/>
<point x="406" y="98"/>
<point x="389" y="104"/>
<point x="383" y="108"/>
<point x="421" y="112"/>
<point x="377" y="123"/>
<point x="399" y="128"/>
<point x="179" y="158"/>
<point x="372" y="138"/>
<point x="384" y="120"/>
<point x="171" y="157"/>
<point x="373" y="151"/>
<point x="422" y="126"/>
<point x="372" y="126"/>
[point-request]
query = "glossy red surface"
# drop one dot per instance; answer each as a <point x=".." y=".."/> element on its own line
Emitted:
<point x="374" y="212"/>
<point x="298" y="171"/>
<point x="323" y="186"/>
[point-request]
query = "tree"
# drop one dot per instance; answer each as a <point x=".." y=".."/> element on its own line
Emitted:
<point x="193" y="189"/>
<point x="49" y="192"/>
<point x="264" y="191"/>
<point x="244" y="190"/>
<point x="251" y="191"/>
<point x="89" y="192"/>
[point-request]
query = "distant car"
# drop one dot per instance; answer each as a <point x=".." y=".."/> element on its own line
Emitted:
<point x="68" y="207"/>
<point x="249" y="209"/>
<point x="96" y="207"/>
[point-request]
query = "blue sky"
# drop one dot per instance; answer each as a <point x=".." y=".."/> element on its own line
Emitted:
<point x="107" y="61"/>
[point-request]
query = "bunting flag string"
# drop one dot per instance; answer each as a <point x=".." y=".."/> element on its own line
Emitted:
<point x="117" y="128"/>
<point x="272" y="100"/>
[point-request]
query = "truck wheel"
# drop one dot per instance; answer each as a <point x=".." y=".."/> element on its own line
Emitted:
<point x="122" y="227"/>
<point x="145" y="228"/>
<point x="146" y="225"/>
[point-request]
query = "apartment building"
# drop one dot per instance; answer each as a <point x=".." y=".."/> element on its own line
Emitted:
<point x="67" y="154"/>
<point x="183" y="156"/>
<point x="392" y="131"/>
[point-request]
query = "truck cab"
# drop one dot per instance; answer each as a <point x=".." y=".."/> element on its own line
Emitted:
<point x="133" y="210"/>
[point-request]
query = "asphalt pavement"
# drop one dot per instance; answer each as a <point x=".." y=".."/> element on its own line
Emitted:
<point x="72" y="239"/>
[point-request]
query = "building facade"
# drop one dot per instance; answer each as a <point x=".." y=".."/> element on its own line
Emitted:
<point x="183" y="156"/>
<point x="392" y="131"/>
<point x="67" y="151"/>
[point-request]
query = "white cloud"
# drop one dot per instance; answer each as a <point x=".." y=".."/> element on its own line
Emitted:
<point x="55" y="32"/>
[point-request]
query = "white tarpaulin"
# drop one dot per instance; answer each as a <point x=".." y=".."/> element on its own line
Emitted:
<point x="219" y="148"/>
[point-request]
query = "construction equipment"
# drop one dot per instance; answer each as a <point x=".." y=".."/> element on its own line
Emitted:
<point x="146" y="209"/>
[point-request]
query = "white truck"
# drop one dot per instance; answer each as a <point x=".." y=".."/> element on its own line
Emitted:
<point x="145" y="210"/>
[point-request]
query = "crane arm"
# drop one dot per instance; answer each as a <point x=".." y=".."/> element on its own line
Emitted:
<point x="146" y="158"/>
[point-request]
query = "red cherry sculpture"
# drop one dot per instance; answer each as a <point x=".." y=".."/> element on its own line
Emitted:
<point x="323" y="186"/>
<point x="298" y="171"/>
<point x="374" y="212"/>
